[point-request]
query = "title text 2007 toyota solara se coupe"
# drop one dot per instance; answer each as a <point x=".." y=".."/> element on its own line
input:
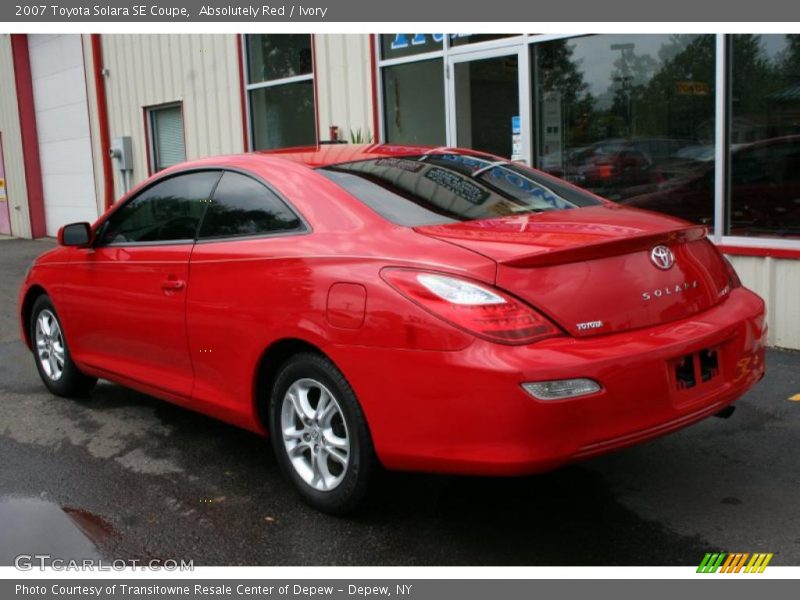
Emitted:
<point x="422" y="309"/>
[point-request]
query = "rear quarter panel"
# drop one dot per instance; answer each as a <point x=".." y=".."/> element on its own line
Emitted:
<point x="246" y="294"/>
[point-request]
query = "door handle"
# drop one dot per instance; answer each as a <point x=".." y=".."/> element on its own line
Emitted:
<point x="173" y="285"/>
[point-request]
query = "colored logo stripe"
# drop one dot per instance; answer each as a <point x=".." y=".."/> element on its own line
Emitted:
<point x="734" y="562"/>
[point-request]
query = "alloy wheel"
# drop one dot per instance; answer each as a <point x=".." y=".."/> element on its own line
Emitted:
<point x="50" y="345"/>
<point x="315" y="434"/>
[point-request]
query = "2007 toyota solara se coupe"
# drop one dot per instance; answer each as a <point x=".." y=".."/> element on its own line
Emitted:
<point x="423" y="309"/>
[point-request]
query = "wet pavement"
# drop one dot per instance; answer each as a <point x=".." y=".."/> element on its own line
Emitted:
<point x="123" y="476"/>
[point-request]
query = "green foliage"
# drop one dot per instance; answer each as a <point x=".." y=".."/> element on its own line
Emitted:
<point x="358" y="136"/>
<point x="672" y="93"/>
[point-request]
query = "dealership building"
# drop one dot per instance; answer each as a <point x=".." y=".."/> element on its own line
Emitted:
<point x="704" y="127"/>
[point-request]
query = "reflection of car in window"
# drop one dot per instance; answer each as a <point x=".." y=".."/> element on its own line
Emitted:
<point x="765" y="189"/>
<point x="618" y="168"/>
<point x="437" y="188"/>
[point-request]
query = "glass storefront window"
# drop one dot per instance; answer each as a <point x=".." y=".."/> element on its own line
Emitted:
<point x="630" y="117"/>
<point x="764" y="190"/>
<point x="399" y="45"/>
<point x="271" y="56"/>
<point x="414" y="108"/>
<point x="283" y="115"/>
<point x="280" y="91"/>
<point x="487" y="99"/>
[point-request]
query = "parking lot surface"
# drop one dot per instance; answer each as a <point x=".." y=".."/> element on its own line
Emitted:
<point x="121" y="475"/>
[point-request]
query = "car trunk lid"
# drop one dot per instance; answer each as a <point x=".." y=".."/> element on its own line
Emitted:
<point x="591" y="269"/>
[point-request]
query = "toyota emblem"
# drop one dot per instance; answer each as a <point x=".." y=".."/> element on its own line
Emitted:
<point x="662" y="257"/>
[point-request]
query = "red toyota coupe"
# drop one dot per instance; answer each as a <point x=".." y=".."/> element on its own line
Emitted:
<point x="425" y="309"/>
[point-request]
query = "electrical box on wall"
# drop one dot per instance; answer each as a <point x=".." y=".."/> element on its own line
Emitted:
<point x="122" y="151"/>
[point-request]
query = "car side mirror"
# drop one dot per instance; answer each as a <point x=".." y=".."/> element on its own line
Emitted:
<point x="75" y="234"/>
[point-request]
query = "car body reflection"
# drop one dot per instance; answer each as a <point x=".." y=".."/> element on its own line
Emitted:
<point x="764" y="183"/>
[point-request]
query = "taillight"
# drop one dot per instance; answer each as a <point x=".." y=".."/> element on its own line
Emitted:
<point x="481" y="310"/>
<point x="733" y="276"/>
<point x="605" y="171"/>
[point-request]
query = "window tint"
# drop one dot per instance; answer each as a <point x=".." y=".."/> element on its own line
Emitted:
<point x="242" y="206"/>
<point x="167" y="211"/>
<point x="441" y="188"/>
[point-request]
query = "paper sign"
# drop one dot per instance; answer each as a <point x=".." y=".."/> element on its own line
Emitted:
<point x="516" y="138"/>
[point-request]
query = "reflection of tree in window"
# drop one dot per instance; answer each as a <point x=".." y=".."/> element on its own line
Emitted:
<point x="559" y="72"/>
<point x="679" y="98"/>
<point x="765" y="135"/>
<point x="278" y="56"/>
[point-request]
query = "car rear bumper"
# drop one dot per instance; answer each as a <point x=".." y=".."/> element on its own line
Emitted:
<point x="466" y="412"/>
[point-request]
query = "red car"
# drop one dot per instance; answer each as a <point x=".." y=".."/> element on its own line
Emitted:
<point x="425" y="309"/>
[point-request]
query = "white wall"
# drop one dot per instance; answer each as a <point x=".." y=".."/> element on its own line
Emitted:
<point x="778" y="282"/>
<point x="344" y="83"/>
<point x="62" y="125"/>
<point x="199" y="70"/>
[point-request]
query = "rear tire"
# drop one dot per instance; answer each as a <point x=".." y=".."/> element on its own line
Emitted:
<point x="51" y="353"/>
<point x="319" y="434"/>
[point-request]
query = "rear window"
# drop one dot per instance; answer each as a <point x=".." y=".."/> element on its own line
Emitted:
<point x="436" y="188"/>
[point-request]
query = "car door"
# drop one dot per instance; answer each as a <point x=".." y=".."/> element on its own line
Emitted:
<point x="247" y="269"/>
<point x="126" y="295"/>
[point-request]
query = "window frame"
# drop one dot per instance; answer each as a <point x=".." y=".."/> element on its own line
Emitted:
<point x="305" y="229"/>
<point x="98" y="228"/>
<point x="741" y="245"/>
<point x="149" y="133"/>
<point x="247" y="87"/>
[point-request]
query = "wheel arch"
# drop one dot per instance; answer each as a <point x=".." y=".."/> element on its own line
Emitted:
<point x="31" y="295"/>
<point x="270" y="362"/>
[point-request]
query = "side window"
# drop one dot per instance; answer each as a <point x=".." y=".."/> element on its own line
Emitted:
<point x="167" y="211"/>
<point x="243" y="206"/>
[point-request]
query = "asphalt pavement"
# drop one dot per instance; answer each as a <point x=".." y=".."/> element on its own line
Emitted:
<point x="121" y="475"/>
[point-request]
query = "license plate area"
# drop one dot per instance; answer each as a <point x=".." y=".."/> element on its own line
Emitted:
<point x="696" y="372"/>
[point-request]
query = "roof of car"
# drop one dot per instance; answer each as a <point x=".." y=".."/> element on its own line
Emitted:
<point x="330" y="154"/>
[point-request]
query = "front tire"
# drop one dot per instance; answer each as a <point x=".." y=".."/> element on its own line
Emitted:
<point x="319" y="434"/>
<point x="50" y="350"/>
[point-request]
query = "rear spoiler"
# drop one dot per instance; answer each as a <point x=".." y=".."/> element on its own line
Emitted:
<point x="612" y="247"/>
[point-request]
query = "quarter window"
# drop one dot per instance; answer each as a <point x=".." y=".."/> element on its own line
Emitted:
<point x="242" y="206"/>
<point x="169" y="211"/>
